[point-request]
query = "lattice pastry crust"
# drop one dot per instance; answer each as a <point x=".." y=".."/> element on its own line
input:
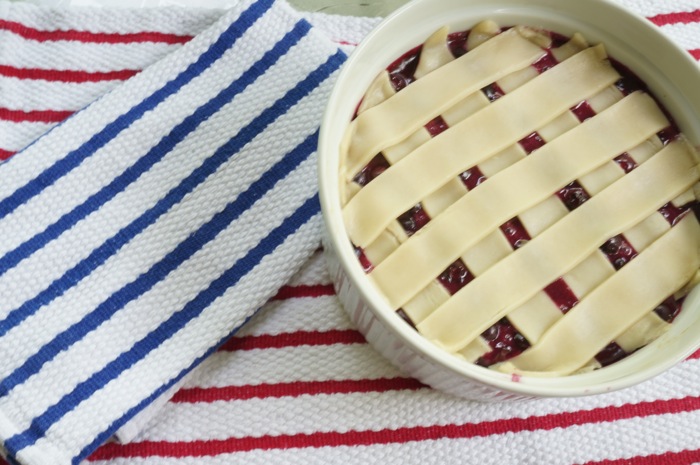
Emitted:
<point x="520" y="201"/>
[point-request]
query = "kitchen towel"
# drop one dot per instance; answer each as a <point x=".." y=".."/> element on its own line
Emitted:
<point x="146" y="228"/>
<point x="297" y="384"/>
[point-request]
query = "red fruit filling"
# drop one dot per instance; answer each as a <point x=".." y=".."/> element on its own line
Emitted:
<point x="619" y="251"/>
<point x="515" y="232"/>
<point x="374" y="168"/>
<point x="545" y="63"/>
<point x="457" y="42"/>
<point x="625" y="162"/>
<point x="583" y="111"/>
<point x="493" y="92"/>
<point x="455" y="277"/>
<point x="472" y="177"/>
<point x="669" y="309"/>
<point x="669" y="134"/>
<point x="505" y="341"/>
<point x="673" y="214"/>
<point x="364" y="261"/>
<point x="561" y="294"/>
<point x="436" y="126"/>
<point x="573" y="195"/>
<point x="413" y="219"/>
<point x="402" y="71"/>
<point x="531" y="143"/>
<point x="610" y="354"/>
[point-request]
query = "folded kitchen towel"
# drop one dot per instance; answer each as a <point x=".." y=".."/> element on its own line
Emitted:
<point x="146" y="228"/>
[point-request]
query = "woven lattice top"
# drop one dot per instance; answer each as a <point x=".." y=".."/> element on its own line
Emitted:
<point x="521" y="200"/>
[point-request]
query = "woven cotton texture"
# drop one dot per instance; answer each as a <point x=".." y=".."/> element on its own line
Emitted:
<point x="145" y="229"/>
<point x="298" y="384"/>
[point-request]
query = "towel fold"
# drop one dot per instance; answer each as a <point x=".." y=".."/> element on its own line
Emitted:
<point x="140" y="233"/>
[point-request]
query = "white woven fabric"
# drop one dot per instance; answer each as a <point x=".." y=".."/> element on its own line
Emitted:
<point x="297" y="384"/>
<point x="145" y="229"/>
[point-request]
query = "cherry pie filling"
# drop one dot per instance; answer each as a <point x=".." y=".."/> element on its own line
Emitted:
<point x="508" y="335"/>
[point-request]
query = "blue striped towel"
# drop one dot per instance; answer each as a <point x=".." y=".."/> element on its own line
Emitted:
<point x="145" y="229"/>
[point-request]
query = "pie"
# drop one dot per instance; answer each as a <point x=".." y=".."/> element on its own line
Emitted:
<point x="522" y="200"/>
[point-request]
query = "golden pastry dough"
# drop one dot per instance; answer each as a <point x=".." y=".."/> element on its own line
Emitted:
<point x="496" y="127"/>
<point x="394" y="119"/>
<point x="602" y="316"/>
<point x="516" y="278"/>
<point x="609" y="305"/>
<point x="512" y="191"/>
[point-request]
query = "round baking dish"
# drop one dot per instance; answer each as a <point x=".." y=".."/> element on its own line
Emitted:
<point x="671" y="74"/>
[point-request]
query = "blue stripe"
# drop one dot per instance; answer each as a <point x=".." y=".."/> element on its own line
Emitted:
<point x="109" y="132"/>
<point x="112" y="245"/>
<point x="158" y="271"/>
<point x="155" y="154"/>
<point x="167" y="329"/>
<point x="132" y="412"/>
<point x="133" y="290"/>
<point x="103" y="312"/>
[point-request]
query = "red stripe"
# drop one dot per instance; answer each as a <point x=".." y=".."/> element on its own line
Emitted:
<point x="316" y="290"/>
<point x="306" y="338"/>
<point x="674" y="18"/>
<point x="5" y="154"/>
<point x="695" y="53"/>
<point x="294" y="339"/>
<point x="92" y="37"/>
<point x="294" y="389"/>
<point x="67" y="75"/>
<point x="34" y="116"/>
<point x="170" y="38"/>
<point x="203" y="448"/>
<point x="685" y="457"/>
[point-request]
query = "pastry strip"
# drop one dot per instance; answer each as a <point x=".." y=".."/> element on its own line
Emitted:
<point x="399" y="116"/>
<point x="434" y="54"/>
<point x="644" y="331"/>
<point x="513" y="191"/>
<point x="557" y="250"/>
<point x="475" y="139"/>
<point x="618" y="303"/>
<point x="380" y="90"/>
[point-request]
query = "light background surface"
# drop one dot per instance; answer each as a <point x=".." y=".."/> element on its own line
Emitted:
<point x="344" y="7"/>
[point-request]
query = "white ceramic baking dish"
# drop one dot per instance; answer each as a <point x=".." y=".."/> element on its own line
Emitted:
<point x="670" y="73"/>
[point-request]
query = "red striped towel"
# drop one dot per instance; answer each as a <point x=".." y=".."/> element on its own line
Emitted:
<point x="298" y="384"/>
